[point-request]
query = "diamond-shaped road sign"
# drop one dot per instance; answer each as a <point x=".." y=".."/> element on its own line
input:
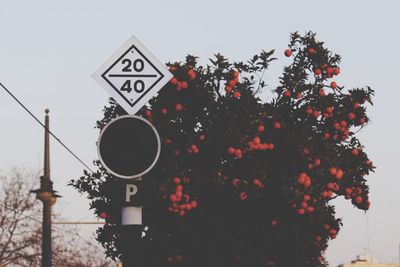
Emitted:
<point x="132" y="75"/>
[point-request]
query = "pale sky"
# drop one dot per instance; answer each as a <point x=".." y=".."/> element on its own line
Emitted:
<point x="49" y="50"/>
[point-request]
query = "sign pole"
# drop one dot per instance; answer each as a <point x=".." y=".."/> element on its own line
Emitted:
<point x="132" y="248"/>
<point x="129" y="146"/>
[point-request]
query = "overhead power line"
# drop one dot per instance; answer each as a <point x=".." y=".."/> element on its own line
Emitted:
<point x="38" y="121"/>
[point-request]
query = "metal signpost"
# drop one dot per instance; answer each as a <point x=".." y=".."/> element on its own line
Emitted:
<point x="129" y="146"/>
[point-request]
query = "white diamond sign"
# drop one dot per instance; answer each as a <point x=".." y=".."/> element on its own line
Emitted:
<point x="132" y="76"/>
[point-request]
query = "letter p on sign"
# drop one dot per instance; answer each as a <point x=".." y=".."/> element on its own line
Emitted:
<point x="131" y="190"/>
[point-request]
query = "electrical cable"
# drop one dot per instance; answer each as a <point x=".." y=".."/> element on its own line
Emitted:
<point x="38" y="121"/>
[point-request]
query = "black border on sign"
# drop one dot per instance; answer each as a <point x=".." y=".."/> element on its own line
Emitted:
<point x="117" y="90"/>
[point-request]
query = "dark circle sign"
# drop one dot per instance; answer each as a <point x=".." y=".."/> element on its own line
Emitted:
<point x="129" y="146"/>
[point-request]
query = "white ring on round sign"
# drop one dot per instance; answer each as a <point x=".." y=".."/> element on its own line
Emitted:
<point x="139" y="175"/>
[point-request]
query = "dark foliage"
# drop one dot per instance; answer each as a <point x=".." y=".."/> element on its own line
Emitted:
<point x="241" y="182"/>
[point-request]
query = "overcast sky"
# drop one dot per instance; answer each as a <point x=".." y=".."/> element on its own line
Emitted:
<point x="50" y="49"/>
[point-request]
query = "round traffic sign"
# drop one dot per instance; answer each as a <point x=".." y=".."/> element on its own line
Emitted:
<point x="129" y="146"/>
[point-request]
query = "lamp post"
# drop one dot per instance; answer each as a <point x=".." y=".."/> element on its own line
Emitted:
<point x="48" y="196"/>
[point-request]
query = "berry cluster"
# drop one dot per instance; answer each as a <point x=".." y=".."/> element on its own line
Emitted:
<point x="230" y="85"/>
<point x="181" y="203"/>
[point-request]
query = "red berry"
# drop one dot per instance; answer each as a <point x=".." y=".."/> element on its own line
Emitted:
<point x="232" y="83"/>
<point x="329" y="70"/>
<point x="274" y="222"/>
<point x="301" y="211"/>
<point x="337" y="126"/>
<point x="257" y="182"/>
<point x="271" y="146"/>
<point x="236" y="95"/>
<point x="192" y="74"/>
<point x="312" y="51"/>
<point x="243" y="195"/>
<point x="321" y="92"/>
<point x="306" y="197"/>
<point x="310" y="209"/>
<point x="261" y="128"/>
<point x="288" y="52"/>
<point x="177" y="180"/>
<point x="339" y="174"/>
<point x="178" y="86"/>
<point x="235" y="182"/>
<point x="298" y="95"/>
<point x="173" y="198"/>
<point x="147" y="113"/>
<point x="238" y="152"/>
<point x="178" y="107"/>
<point x="316" y="113"/>
<point x="231" y="150"/>
<point x="277" y="125"/>
<point x="351" y="116"/>
<point x="317" y="72"/>
<point x="174" y="81"/>
<point x="343" y="123"/>
<point x="333" y="85"/>
<point x="228" y="88"/>
<point x="202" y="137"/>
<point x="184" y="85"/>
<point x="332" y="171"/>
<point x="167" y="141"/>
<point x="359" y="200"/>
<point x="179" y="188"/>
<point x="103" y="215"/>
<point x="301" y="179"/>
<point x="356" y="105"/>
<point x="287" y="93"/>
<point x="193" y="204"/>
<point x="164" y="111"/>
<point x="256" y="140"/>
<point x="354" y="151"/>
<point x="317" y="162"/>
<point x="336" y="71"/>
<point x="179" y="257"/>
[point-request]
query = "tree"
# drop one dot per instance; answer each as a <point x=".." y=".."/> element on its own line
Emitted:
<point x="242" y="182"/>
<point x="20" y="229"/>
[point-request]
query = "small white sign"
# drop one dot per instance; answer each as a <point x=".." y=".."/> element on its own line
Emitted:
<point x="132" y="76"/>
